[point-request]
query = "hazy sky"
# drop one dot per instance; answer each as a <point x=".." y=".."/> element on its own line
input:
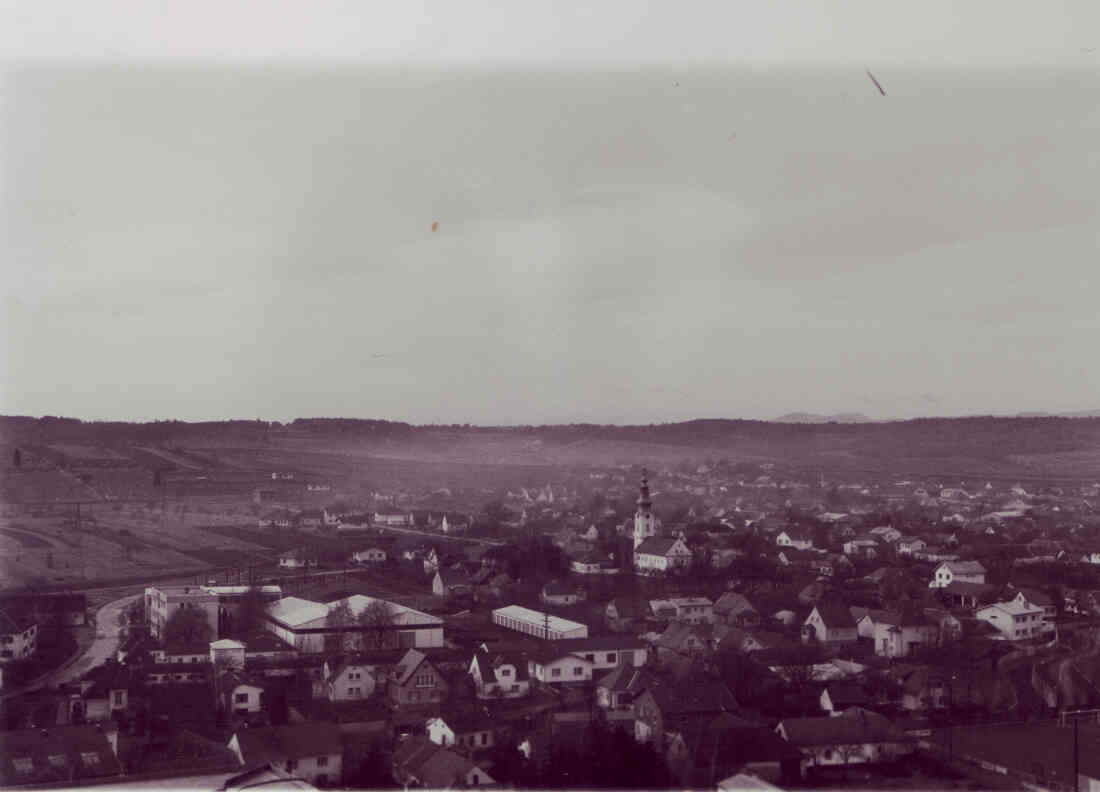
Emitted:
<point x="647" y="211"/>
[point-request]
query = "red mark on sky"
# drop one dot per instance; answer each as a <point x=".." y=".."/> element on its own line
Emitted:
<point x="435" y="226"/>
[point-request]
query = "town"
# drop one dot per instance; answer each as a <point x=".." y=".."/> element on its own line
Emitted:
<point x="217" y="614"/>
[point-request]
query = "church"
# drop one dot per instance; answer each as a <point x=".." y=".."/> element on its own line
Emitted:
<point x="653" y="553"/>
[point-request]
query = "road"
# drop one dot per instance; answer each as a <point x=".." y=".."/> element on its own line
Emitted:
<point x="103" y="646"/>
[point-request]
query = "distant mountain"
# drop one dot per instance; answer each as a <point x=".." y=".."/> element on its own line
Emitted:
<point x="815" y="418"/>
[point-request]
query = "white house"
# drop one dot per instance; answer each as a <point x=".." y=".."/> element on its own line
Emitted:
<point x="395" y="518"/>
<point x="963" y="571"/>
<point x="693" y="610"/>
<point x="900" y="634"/>
<point x="18" y="636"/>
<point x="499" y="675"/>
<point x="466" y="731"/>
<point x="661" y="554"/>
<point x="226" y="653"/>
<point x="348" y="679"/>
<point x="554" y="666"/>
<point x="242" y="696"/>
<point x="299" y="558"/>
<point x="606" y="652"/>
<point x="797" y="539"/>
<point x="1015" y="620"/>
<point x="888" y="533"/>
<point x="369" y="555"/>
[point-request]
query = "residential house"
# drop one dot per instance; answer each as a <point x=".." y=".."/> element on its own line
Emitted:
<point x="830" y="622"/>
<point x="311" y="518"/>
<point x="373" y="554"/>
<point x="18" y="636"/>
<point x="1015" y="620"/>
<point x="887" y="533"/>
<point x="416" y="681"/>
<point x="455" y="523"/>
<point x="957" y="571"/>
<point x="240" y="693"/>
<point x="795" y="538"/>
<point x="467" y="731"/>
<point x="607" y="651"/>
<point x="898" y="634"/>
<point x="59" y="757"/>
<point x="312" y="751"/>
<point x="856" y="736"/>
<point x="500" y="674"/>
<point x="1042" y="600"/>
<point x="450" y="582"/>
<point x="617" y="689"/>
<point x="908" y="545"/>
<point x="666" y="706"/>
<point x="350" y="678"/>
<point x="865" y="546"/>
<point x="837" y="697"/>
<point x="419" y="762"/>
<point x="661" y="554"/>
<point x="623" y="613"/>
<point x="103" y="691"/>
<point x="393" y="518"/>
<point x="685" y="640"/>
<point x="553" y="665"/>
<point x="735" y="609"/>
<point x="560" y="592"/>
<point x="692" y="610"/>
<point x="593" y="563"/>
<point x="967" y="595"/>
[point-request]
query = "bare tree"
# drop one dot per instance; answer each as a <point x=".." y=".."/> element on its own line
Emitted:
<point x="378" y="617"/>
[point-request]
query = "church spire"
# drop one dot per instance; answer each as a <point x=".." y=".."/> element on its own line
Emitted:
<point x="644" y="502"/>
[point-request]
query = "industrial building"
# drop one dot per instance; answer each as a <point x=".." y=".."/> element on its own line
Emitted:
<point x="540" y="625"/>
<point x="303" y="623"/>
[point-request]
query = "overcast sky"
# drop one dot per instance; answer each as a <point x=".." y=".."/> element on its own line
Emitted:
<point x="646" y="211"/>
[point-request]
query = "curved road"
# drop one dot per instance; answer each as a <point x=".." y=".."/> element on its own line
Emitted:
<point x="103" y="646"/>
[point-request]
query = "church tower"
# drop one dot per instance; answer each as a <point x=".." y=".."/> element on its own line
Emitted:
<point x="645" y="524"/>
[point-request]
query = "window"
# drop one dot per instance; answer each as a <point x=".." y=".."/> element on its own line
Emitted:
<point x="240" y="698"/>
<point x="291" y="765"/>
<point x="119" y="694"/>
<point x="611" y="658"/>
<point x="484" y="738"/>
<point x="590" y="657"/>
<point x="514" y="688"/>
<point x="506" y="672"/>
<point x="23" y="764"/>
<point x="555" y="672"/>
<point x="425" y="680"/>
<point x="57" y="760"/>
<point x="90" y="758"/>
<point x="578" y="671"/>
<point x="322" y="761"/>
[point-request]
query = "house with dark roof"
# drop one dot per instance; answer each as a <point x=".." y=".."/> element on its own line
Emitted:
<point x="795" y="538"/>
<point x="839" y="696"/>
<point x="667" y="705"/>
<point x="450" y="581"/>
<point x="856" y="736"/>
<point x="707" y="750"/>
<point x="607" y="651"/>
<point x="467" y="731"/>
<point x="961" y="594"/>
<point x="830" y="622"/>
<point x="241" y="693"/>
<point x="617" y="689"/>
<point x="623" y="613"/>
<point x="352" y="677"/>
<point x="500" y="674"/>
<point x="561" y="592"/>
<point x="312" y="751"/>
<point x="735" y="609"/>
<point x="64" y="756"/>
<point x="419" y="762"/>
<point x="416" y="681"/>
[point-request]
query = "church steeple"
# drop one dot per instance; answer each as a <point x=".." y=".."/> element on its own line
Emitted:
<point x="645" y="524"/>
<point x="644" y="502"/>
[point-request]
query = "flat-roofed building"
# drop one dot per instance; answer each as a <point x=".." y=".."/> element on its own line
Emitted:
<point x="538" y="624"/>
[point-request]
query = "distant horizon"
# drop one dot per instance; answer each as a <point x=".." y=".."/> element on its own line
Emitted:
<point x="820" y="418"/>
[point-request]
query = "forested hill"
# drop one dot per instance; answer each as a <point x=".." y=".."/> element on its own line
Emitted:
<point x="991" y="438"/>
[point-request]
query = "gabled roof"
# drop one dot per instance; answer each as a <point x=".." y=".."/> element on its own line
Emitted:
<point x="602" y="643"/>
<point x="434" y="766"/>
<point x="835" y="614"/>
<point x="488" y="662"/>
<point x="630" y="608"/>
<point x="64" y="754"/>
<point x="451" y="576"/>
<point x="854" y="726"/>
<point x="629" y="678"/>
<point x="293" y="741"/>
<point x="964" y="567"/>
<point x="692" y="696"/>
<point x="407" y="666"/>
<point x="656" y="545"/>
<point x="733" y="603"/>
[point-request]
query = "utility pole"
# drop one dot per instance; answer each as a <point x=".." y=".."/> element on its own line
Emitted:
<point x="1076" y="758"/>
